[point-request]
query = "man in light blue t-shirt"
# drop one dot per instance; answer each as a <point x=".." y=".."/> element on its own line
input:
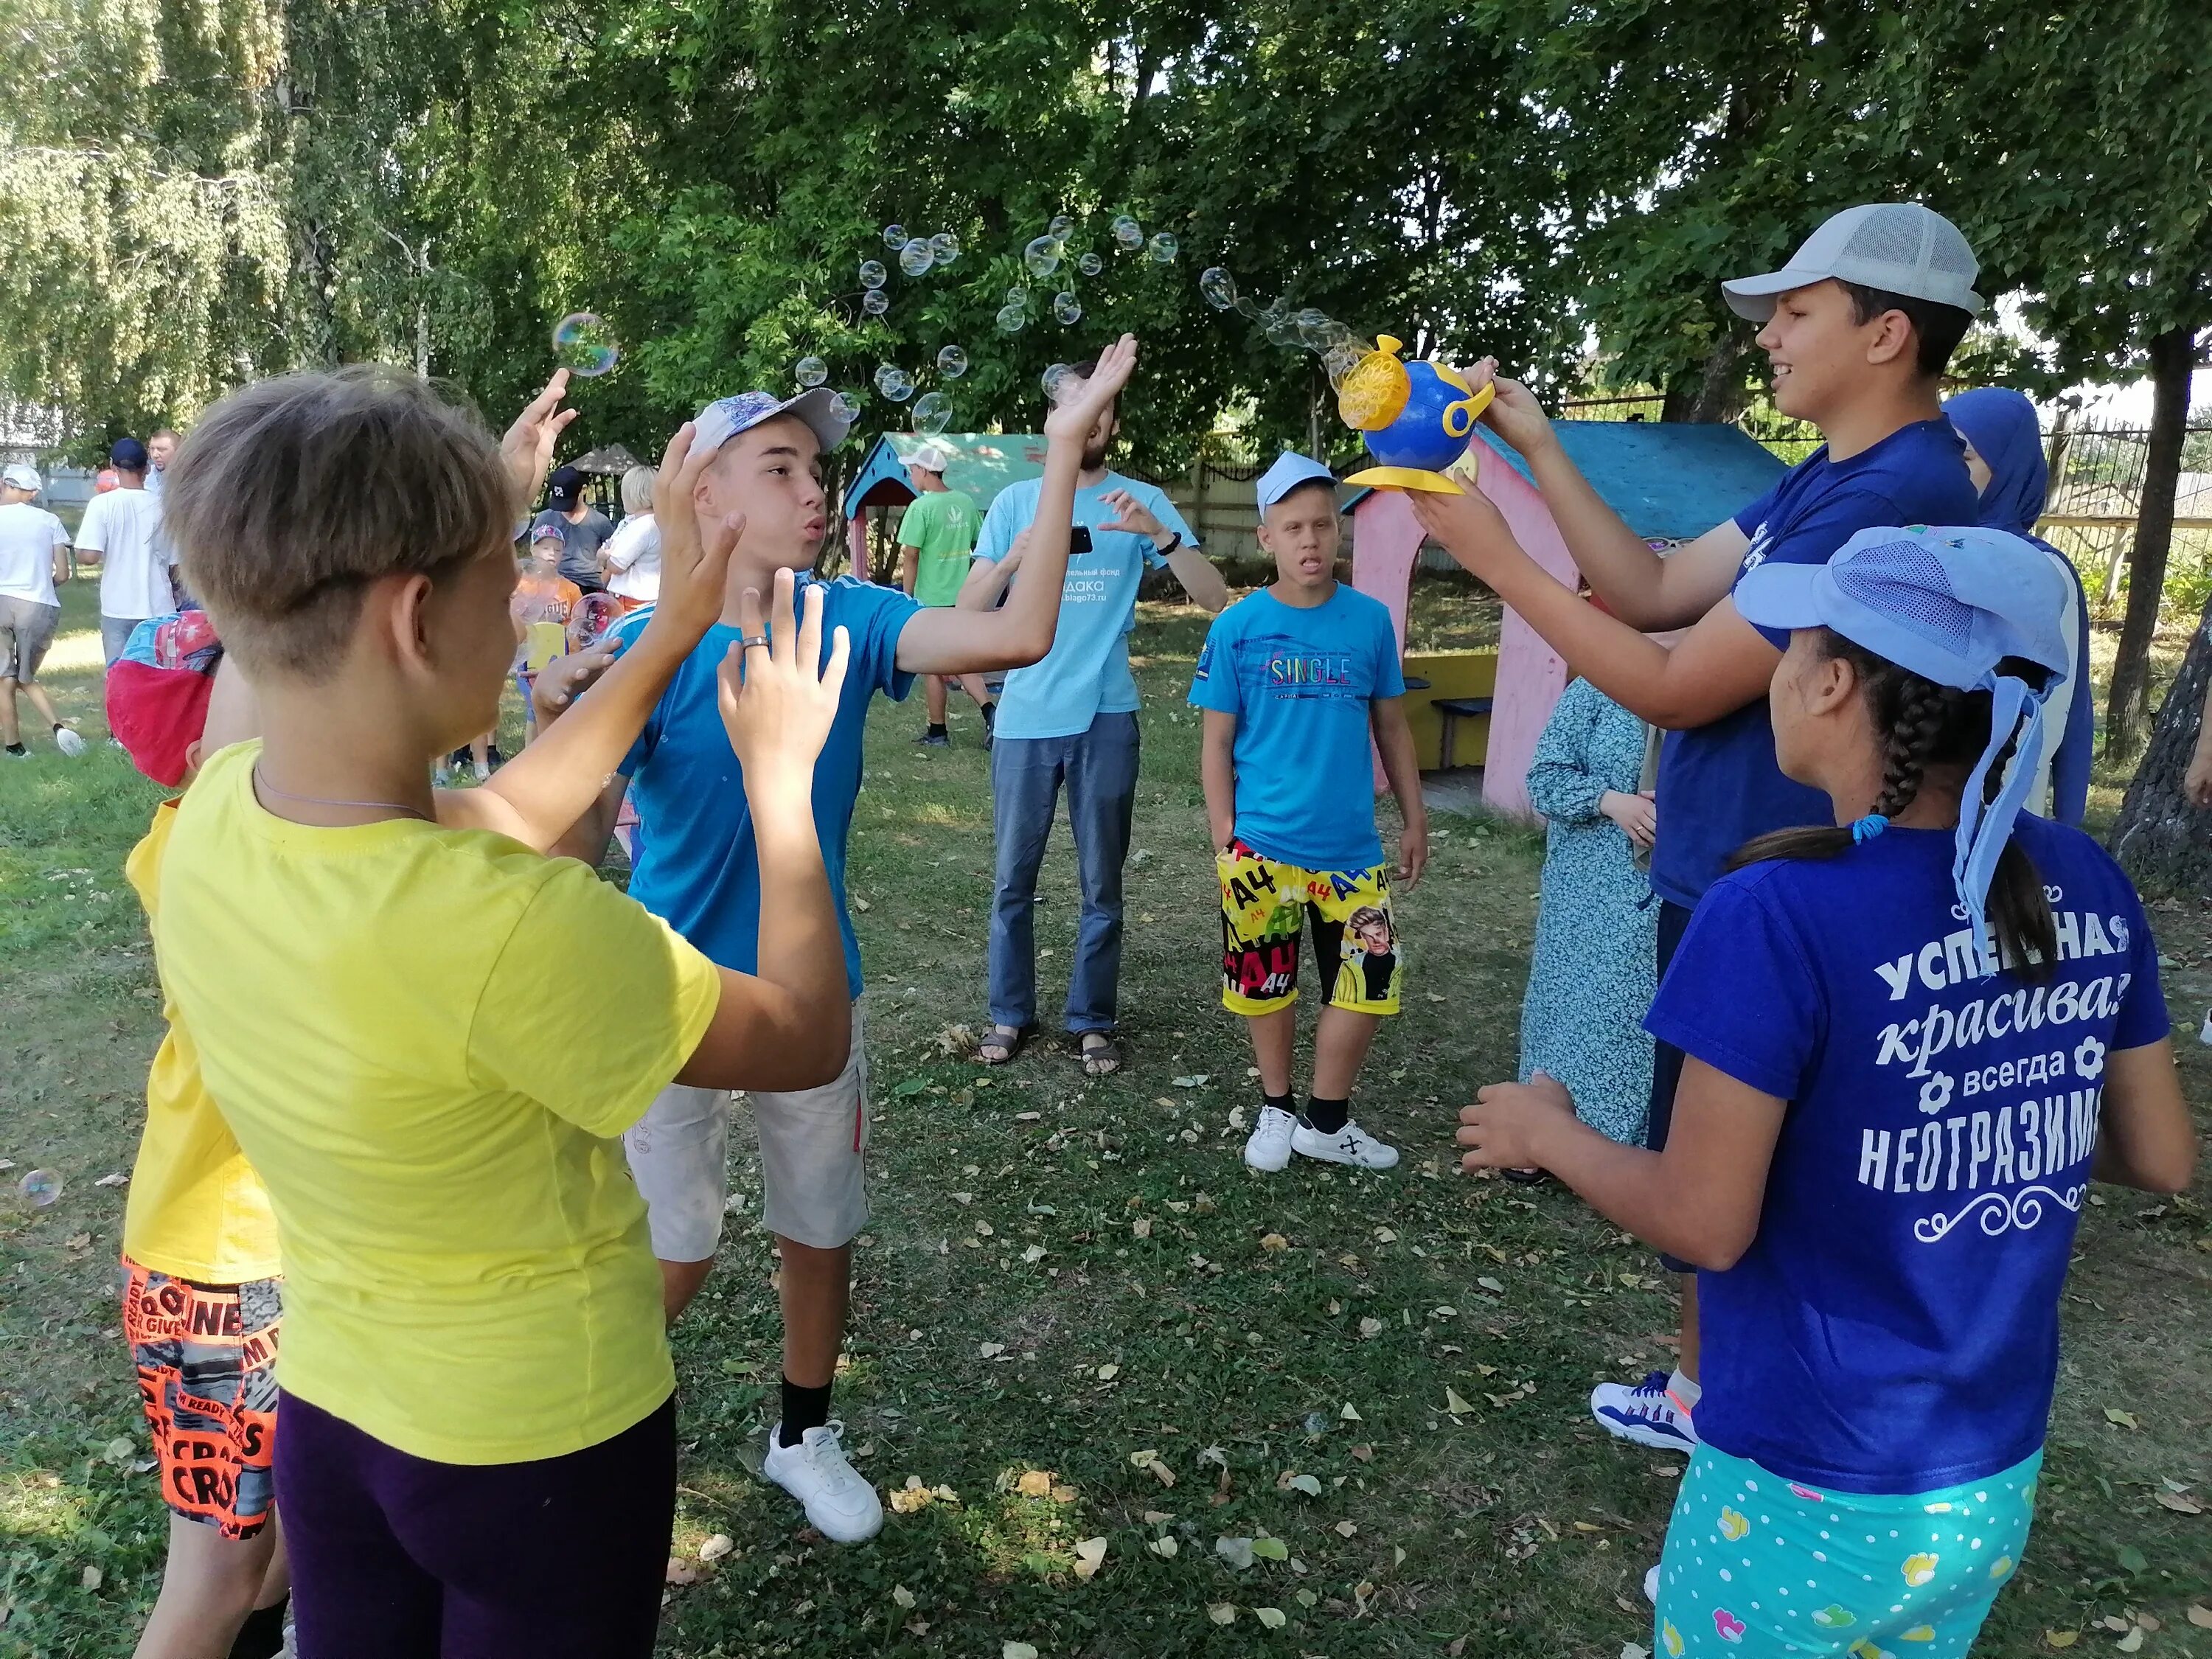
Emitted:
<point x="1074" y="717"/>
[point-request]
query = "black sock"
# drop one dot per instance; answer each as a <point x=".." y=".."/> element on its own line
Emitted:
<point x="1281" y="1102"/>
<point x="1327" y="1115"/>
<point x="802" y="1409"/>
<point x="262" y="1634"/>
<point x="936" y="729"/>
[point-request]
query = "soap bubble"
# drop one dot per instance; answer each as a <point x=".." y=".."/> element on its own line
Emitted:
<point x="1066" y="308"/>
<point x="595" y="613"/>
<point x="41" y="1189"/>
<point x="1017" y="296"/>
<point x="1013" y="319"/>
<point x="1041" y="257"/>
<point x="1217" y="286"/>
<point x="1091" y="265"/>
<point x="1055" y="380"/>
<point x="583" y="344"/>
<point x="894" y="237"/>
<point x="810" y="371"/>
<point x="894" y="382"/>
<point x="848" y="405"/>
<point x="1163" y="247"/>
<point x="1280" y="323"/>
<point x="1340" y="361"/>
<point x="945" y="246"/>
<point x="1059" y="226"/>
<point x="1127" y="233"/>
<point x="873" y="273"/>
<point x="875" y="302"/>
<point x="916" y="257"/>
<point x="933" y="413"/>
<point x="952" y="363"/>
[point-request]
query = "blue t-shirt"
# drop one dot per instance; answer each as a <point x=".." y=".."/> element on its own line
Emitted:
<point x="1718" y="785"/>
<point x="1086" y="673"/>
<point x="698" y="867"/>
<point x="1300" y="682"/>
<point x="1893" y="1326"/>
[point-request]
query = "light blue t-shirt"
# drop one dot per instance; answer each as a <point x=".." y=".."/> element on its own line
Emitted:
<point x="1087" y="674"/>
<point x="1300" y="682"/>
<point x="698" y="867"/>
<point x="1893" y="1326"/>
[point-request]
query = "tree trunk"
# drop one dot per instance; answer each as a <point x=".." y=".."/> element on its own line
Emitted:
<point x="1716" y="394"/>
<point x="2160" y="839"/>
<point x="2172" y="358"/>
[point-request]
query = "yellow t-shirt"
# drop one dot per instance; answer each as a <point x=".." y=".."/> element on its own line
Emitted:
<point x="425" y="1040"/>
<point x="196" y="1209"/>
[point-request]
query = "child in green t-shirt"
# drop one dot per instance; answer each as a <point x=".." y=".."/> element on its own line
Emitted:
<point x="937" y="534"/>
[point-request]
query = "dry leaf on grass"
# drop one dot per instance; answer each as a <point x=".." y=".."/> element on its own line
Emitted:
<point x="1089" y="1553"/>
<point x="1034" y="1483"/>
<point x="716" y="1547"/>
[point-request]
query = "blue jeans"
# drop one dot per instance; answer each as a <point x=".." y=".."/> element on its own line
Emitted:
<point x="1100" y="768"/>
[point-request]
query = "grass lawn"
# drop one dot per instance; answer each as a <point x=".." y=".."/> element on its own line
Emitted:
<point x="1079" y="1317"/>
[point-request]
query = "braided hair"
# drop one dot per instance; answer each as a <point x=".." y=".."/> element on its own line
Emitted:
<point x="1923" y="723"/>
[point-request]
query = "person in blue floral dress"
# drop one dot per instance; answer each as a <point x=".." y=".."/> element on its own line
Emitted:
<point x="1591" y="973"/>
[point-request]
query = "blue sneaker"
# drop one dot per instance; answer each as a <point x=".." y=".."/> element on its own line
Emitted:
<point x="1644" y="1414"/>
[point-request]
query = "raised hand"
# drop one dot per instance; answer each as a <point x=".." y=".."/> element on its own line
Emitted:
<point x="695" y="553"/>
<point x="1082" y="402"/>
<point x="1131" y="514"/>
<point x="778" y="697"/>
<point x="528" y="445"/>
<point x="1515" y="416"/>
<point x="564" y="679"/>
<point x="1464" y="523"/>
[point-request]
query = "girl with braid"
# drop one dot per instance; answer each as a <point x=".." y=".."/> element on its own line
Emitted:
<point x="1914" y="1037"/>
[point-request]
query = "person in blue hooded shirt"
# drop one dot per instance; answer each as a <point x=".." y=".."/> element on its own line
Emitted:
<point x="2004" y="457"/>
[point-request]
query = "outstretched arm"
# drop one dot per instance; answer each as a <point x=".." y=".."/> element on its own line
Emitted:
<point x="960" y="640"/>
<point x="1642" y="589"/>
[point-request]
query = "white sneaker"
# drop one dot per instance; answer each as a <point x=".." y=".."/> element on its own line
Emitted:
<point x="1651" y="1585"/>
<point x="67" y="742"/>
<point x="840" y="1504"/>
<point x="1269" y="1145"/>
<point x="441" y="777"/>
<point x="1350" y="1145"/>
<point x="1643" y="1413"/>
<point x="482" y="771"/>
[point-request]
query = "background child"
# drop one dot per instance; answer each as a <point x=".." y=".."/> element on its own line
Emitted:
<point x="1294" y="679"/>
<point x="1591" y="972"/>
<point x="632" y="554"/>
<point x="479" y="1445"/>
<point x="34" y="558"/>
<point x="937" y="532"/>
<point x="1903" y="1071"/>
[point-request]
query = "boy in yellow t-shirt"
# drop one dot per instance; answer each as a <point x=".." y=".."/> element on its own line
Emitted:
<point x="478" y="1445"/>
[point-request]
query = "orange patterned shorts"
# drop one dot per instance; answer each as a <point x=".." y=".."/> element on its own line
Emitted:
<point x="206" y="1356"/>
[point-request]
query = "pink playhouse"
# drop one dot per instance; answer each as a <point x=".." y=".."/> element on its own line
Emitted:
<point x="1668" y="481"/>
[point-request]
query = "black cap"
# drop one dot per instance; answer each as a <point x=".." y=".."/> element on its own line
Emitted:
<point x="565" y="488"/>
<point x="129" y="454"/>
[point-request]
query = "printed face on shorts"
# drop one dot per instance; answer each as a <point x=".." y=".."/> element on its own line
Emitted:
<point x="1265" y="905"/>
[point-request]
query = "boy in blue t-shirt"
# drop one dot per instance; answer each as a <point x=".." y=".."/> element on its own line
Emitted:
<point x="1916" y="1034"/>
<point x="1295" y="680"/>
<point x="1857" y="326"/>
<point x="699" y="869"/>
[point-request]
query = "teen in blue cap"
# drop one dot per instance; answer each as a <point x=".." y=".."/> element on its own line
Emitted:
<point x="1914" y="1036"/>
<point x="1295" y="681"/>
<point x="2004" y="457"/>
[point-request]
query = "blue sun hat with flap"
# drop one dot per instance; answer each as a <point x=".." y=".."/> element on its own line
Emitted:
<point x="1952" y="604"/>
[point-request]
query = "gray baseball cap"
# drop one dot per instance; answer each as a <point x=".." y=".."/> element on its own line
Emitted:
<point x="19" y="475"/>
<point x="726" y="417"/>
<point x="1901" y="247"/>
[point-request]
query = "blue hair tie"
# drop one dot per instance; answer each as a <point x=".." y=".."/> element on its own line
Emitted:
<point x="1868" y="828"/>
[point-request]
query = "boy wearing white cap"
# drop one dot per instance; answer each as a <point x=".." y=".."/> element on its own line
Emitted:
<point x="699" y="868"/>
<point x="1857" y="326"/>
<point x="33" y="556"/>
<point x="937" y="532"/>
<point x="1294" y="681"/>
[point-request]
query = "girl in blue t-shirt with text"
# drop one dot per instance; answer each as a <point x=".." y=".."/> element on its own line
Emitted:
<point x="1913" y="1040"/>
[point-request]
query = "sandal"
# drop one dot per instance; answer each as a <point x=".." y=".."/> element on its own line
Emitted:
<point x="1101" y="1058"/>
<point x="1004" y="1043"/>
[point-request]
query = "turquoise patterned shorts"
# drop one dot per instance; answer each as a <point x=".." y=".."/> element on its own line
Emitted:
<point x="1759" y="1564"/>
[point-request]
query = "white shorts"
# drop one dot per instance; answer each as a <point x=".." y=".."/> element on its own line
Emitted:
<point x="812" y="1147"/>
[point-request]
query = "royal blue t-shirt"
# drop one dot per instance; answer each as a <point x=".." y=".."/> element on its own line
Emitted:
<point x="1300" y="682"/>
<point x="1893" y="1326"/>
<point x="699" y="867"/>
<point x="1086" y="673"/>
<point x="1718" y="785"/>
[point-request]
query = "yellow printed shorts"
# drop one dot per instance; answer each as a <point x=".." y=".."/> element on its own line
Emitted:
<point x="1264" y="906"/>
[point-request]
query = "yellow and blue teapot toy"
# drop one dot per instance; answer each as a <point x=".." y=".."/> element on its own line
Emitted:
<point x="1418" y="418"/>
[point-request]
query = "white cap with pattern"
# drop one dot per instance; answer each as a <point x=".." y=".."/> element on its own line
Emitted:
<point x="1900" y="247"/>
<point x="21" y="475"/>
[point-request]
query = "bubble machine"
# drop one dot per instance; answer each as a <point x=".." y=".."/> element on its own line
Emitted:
<point x="1418" y="418"/>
